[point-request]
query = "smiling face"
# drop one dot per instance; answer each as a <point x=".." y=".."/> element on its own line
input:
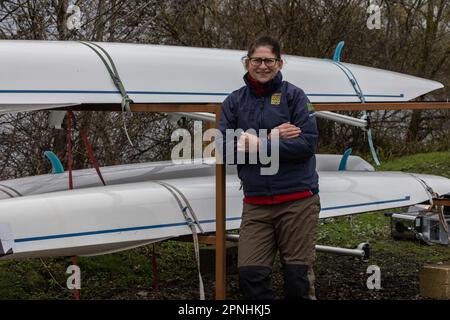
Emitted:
<point x="263" y="73"/>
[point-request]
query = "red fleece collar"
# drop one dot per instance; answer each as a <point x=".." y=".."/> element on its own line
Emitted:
<point x="259" y="87"/>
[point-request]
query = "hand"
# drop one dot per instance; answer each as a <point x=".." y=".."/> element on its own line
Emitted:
<point x="287" y="131"/>
<point x="248" y="142"/>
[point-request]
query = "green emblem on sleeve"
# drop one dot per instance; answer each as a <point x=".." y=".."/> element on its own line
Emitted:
<point x="310" y="107"/>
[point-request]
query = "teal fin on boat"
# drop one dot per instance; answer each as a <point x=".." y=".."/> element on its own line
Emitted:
<point x="57" y="167"/>
<point x="344" y="159"/>
<point x="337" y="51"/>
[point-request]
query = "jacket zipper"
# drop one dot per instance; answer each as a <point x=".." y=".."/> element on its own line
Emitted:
<point x="261" y="126"/>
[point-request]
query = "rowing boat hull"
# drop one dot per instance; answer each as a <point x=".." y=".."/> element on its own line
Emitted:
<point x="50" y="74"/>
<point x="140" y="172"/>
<point x="111" y="218"/>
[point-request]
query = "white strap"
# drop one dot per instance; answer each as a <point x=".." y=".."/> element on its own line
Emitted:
<point x="177" y="194"/>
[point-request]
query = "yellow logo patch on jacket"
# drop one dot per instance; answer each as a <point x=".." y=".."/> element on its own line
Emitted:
<point x="276" y="99"/>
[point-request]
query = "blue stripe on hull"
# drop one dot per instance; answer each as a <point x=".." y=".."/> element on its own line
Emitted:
<point x="81" y="234"/>
<point x="182" y="93"/>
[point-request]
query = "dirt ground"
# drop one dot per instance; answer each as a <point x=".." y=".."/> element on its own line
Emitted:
<point x="337" y="278"/>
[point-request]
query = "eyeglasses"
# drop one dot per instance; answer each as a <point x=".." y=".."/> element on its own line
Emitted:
<point x="269" y="62"/>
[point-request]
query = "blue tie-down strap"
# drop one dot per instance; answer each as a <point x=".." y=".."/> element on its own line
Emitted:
<point x="372" y="149"/>
<point x="57" y="167"/>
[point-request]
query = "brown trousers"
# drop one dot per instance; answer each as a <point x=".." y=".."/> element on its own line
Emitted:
<point x="289" y="227"/>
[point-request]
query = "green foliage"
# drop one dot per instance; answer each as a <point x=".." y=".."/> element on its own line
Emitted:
<point x="112" y="276"/>
<point x="349" y="231"/>
<point x="437" y="163"/>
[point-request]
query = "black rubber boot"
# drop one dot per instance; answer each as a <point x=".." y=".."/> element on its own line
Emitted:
<point x="296" y="282"/>
<point x="256" y="283"/>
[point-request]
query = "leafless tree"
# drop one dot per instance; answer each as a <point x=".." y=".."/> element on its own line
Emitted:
<point x="414" y="38"/>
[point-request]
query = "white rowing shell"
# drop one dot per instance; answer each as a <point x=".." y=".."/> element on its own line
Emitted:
<point x="139" y="172"/>
<point x="48" y="74"/>
<point x="111" y="218"/>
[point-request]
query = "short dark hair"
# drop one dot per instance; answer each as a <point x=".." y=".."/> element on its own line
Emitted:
<point x="265" y="41"/>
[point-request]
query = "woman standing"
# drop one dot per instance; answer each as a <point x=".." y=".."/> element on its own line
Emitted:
<point x="280" y="211"/>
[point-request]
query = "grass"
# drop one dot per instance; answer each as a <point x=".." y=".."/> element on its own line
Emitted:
<point x="122" y="275"/>
<point x="437" y="163"/>
<point x="128" y="275"/>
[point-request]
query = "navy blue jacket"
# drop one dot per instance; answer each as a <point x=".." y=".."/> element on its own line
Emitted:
<point x="245" y="109"/>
